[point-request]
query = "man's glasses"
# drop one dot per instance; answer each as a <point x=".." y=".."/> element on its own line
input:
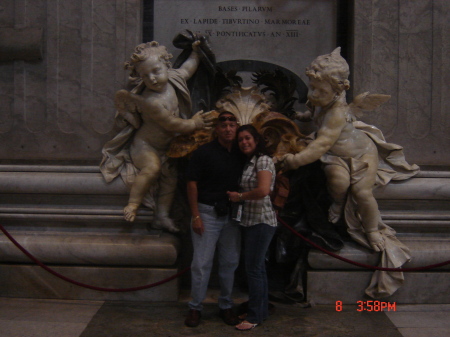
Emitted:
<point x="227" y="118"/>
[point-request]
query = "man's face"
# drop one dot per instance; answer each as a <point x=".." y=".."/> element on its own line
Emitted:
<point x="226" y="128"/>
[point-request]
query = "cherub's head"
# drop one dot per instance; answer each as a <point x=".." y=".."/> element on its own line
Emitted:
<point x="331" y="68"/>
<point x="149" y="62"/>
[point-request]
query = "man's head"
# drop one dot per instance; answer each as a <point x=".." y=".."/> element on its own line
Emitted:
<point x="226" y="128"/>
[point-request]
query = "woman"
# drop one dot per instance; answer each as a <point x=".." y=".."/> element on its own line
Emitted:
<point x="258" y="220"/>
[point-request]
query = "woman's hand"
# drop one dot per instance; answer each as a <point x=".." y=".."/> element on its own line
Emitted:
<point x="234" y="196"/>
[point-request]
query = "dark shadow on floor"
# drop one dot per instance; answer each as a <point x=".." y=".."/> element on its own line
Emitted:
<point x="123" y="319"/>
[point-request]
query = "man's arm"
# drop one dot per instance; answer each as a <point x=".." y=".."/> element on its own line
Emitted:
<point x="192" y="194"/>
<point x="264" y="179"/>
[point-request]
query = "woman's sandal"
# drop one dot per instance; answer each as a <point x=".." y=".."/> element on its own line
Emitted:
<point x="245" y="325"/>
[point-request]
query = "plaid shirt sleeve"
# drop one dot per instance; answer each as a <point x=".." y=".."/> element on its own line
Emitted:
<point x="258" y="211"/>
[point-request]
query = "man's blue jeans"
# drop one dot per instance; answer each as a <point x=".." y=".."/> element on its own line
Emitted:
<point x="257" y="239"/>
<point x="219" y="232"/>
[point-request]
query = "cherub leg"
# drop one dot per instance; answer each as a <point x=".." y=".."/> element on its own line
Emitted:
<point x="338" y="182"/>
<point x="167" y="187"/>
<point x="362" y="192"/>
<point x="149" y="164"/>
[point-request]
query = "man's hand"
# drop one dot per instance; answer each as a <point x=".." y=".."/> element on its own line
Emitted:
<point x="234" y="196"/>
<point x="203" y="119"/>
<point x="197" y="225"/>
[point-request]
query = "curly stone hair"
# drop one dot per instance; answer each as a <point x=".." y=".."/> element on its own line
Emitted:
<point x="332" y="68"/>
<point x="143" y="52"/>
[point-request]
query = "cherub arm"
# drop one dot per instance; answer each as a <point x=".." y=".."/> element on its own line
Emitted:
<point x="307" y="115"/>
<point x="327" y="135"/>
<point x="165" y="118"/>
<point x="189" y="67"/>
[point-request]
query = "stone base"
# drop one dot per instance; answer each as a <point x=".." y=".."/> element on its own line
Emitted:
<point x="156" y="249"/>
<point x="34" y="282"/>
<point x="333" y="280"/>
<point x="327" y="287"/>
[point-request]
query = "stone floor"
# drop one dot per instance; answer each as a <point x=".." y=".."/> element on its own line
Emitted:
<point x="68" y="318"/>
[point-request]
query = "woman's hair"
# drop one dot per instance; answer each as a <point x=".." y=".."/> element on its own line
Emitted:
<point x="259" y="140"/>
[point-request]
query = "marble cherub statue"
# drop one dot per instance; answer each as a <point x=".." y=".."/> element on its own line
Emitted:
<point x="152" y="112"/>
<point x="349" y="151"/>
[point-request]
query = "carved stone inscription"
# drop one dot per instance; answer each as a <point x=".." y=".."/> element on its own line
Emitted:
<point x="288" y="33"/>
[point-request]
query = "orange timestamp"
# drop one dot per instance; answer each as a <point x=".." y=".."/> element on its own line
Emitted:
<point x="370" y="306"/>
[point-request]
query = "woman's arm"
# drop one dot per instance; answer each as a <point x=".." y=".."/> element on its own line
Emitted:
<point x="264" y="179"/>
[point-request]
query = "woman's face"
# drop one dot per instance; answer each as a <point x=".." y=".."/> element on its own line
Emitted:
<point x="247" y="143"/>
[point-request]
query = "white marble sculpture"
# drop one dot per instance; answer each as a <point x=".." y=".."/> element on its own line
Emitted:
<point x="152" y="113"/>
<point x="355" y="158"/>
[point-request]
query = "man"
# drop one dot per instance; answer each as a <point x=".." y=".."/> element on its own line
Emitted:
<point x="214" y="169"/>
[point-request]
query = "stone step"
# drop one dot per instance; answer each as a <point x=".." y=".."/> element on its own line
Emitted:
<point x="330" y="280"/>
<point x="425" y="250"/>
<point x="31" y="281"/>
<point x="330" y="286"/>
<point x="71" y="213"/>
<point x="154" y="249"/>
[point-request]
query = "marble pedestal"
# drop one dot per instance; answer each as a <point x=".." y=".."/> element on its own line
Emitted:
<point x="72" y="221"/>
<point x="419" y="210"/>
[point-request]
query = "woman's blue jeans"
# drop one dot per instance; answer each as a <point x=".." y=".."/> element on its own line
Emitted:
<point x="257" y="239"/>
<point x="222" y="233"/>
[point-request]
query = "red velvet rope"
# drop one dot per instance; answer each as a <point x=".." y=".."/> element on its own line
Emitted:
<point x="357" y="263"/>
<point x="53" y="272"/>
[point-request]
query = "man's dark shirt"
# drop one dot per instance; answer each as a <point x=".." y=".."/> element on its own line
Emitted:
<point x="216" y="171"/>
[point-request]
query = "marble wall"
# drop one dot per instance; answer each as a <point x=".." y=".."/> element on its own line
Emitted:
<point x="401" y="48"/>
<point x="61" y="107"/>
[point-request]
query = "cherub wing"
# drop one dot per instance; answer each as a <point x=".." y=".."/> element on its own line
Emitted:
<point x="127" y="108"/>
<point x="366" y="102"/>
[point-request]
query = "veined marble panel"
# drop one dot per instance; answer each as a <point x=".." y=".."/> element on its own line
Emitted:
<point x="385" y="41"/>
<point x="416" y="51"/>
<point x="61" y="108"/>
<point x="400" y="49"/>
<point x="441" y="71"/>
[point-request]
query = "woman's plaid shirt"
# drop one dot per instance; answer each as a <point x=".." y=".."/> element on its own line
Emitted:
<point x="257" y="211"/>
